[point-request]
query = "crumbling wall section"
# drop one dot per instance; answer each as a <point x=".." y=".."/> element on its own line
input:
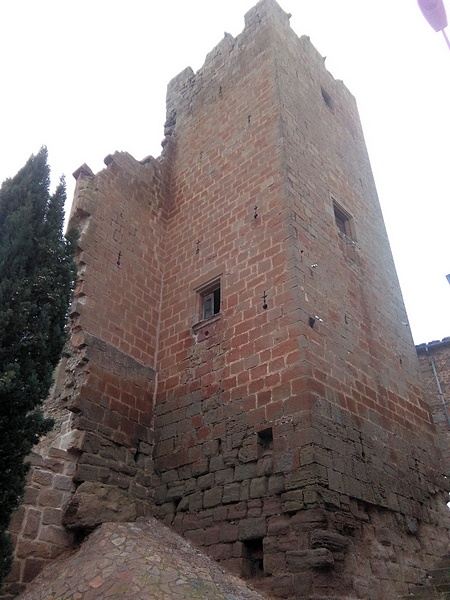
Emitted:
<point x="36" y="527"/>
<point x="114" y="320"/>
<point x="96" y="465"/>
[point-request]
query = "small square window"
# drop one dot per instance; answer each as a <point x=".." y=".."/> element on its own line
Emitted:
<point x="210" y="301"/>
<point x="343" y="220"/>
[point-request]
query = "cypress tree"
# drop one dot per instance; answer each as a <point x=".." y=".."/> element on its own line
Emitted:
<point x="37" y="275"/>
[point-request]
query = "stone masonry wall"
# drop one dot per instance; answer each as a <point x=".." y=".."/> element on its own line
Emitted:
<point x="96" y="465"/>
<point x="114" y="319"/>
<point x="36" y="528"/>
<point x="286" y="433"/>
<point x="437" y="385"/>
<point x="293" y="441"/>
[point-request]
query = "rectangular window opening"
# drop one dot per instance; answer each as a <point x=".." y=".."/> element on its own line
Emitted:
<point x="253" y="552"/>
<point x="210" y="300"/>
<point x="343" y="220"/>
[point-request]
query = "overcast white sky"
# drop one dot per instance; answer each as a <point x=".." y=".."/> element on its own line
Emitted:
<point x="89" y="77"/>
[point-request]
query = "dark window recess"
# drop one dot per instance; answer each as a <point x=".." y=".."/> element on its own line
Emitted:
<point x="210" y="302"/>
<point x="342" y="220"/>
<point x="254" y="554"/>
<point x="265" y="440"/>
<point x="327" y="98"/>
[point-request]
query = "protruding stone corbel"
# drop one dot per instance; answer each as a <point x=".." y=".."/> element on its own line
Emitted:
<point x="83" y="171"/>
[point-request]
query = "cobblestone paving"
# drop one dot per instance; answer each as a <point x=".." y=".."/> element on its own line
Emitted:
<point x="144" y="561"/>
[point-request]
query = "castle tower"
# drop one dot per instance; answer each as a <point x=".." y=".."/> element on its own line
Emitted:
<point x="292" y="440"/>
<point x="239" y="364"/>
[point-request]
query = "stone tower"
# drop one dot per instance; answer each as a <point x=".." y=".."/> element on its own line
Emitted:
<point x="239" y="366"/>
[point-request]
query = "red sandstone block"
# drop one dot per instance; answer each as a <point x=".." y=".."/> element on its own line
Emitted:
<point x="34" y="548"/>
<point x="238" y="392"/>
<point x="213" y="389"/>
<point x="133" y="414"/>
<point x="146" y="420"/>
<point x="196" y="536"/>
<point x="194" y="386"/>
<point x="212" y="534"/>
<point x="237" y="367"/>
<point x="52" y="516"/>
<point x="209" y="378"/>
<point x="247" y="350"/>
<point x="42" y="478"/>
<point x="203" y="432"/>
<point x="259" y="371"/>
<point x="32" y="568"/>
<point x="271" y="381"/>
<point x="118" y="407"/>
<point x="257" y="417"/>
<point x="243" y="378"/>
<point x="17" y="519"/>
<point x="241" y="340"/>
<point x="32" y="522"/>
<point x="281" y="392"/>
<point x="293" y="357"/>
<point x="274" y="410"/>
<point x="127" y="398"/>
<point x="31" y="495"/>
<point x="220" y="552"/>
<point x="242" y="327"/>
<point x="51" y="497"/>
<point x="263" y="397"/>
<point x="256" y="386"/>
<point x="300" y="385"/>
<point x="197" y="421"/>
<point x="112" y="420"/>
<point x="248" y="403"/>
<point x="94" y="395"/>
<point x="63" y="482"/>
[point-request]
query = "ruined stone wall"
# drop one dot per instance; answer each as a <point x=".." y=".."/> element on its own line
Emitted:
<point x="96" y="465"/>
<point x="114" y="318"/>
<point x="437" y="384"/>
<point x="292" y="438"/>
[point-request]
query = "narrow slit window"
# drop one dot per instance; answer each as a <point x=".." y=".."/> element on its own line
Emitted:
<point x="265" y="441"/>
<point x="327" y="99"/>
<point x="253" y="553"/>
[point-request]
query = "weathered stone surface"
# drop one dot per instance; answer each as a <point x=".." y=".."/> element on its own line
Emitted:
<point x="95" y="503"/>
<point x="329" y="539"/>
<point x="320" y="558"/>
<point x="252" y="528"/>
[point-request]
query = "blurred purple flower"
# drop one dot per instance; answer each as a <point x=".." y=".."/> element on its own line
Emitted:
<point x="434" y="13"/>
